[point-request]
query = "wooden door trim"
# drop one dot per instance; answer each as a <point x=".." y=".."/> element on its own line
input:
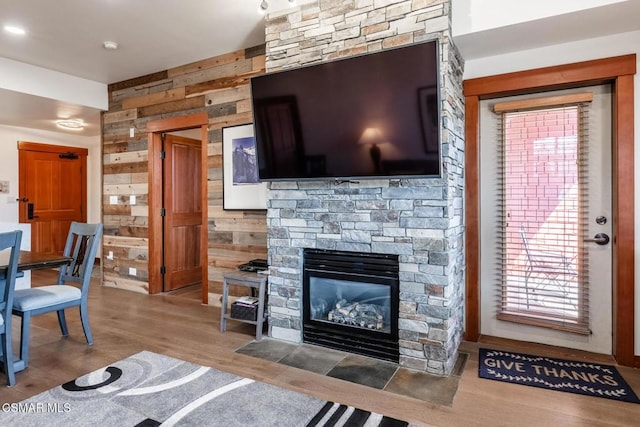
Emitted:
<point x="155" y="128"/>
<point x="616" y="70"/>
<point x="48" y="148"/>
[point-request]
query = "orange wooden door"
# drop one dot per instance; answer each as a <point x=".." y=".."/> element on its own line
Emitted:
<point x="52" y="192"/>
<point x="183" y="212"/>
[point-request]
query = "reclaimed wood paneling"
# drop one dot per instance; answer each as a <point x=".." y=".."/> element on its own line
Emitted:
<point x="228" y="95"/>
<point x="138" y="81"/>
<point x="126" y="157"/>
<point x="154" y="98"/>
<point x="218" y="86"/>
<point x="126" y="189"/>
<point x="119" y="116"/>
<point x="119" y="168"/>
<point x="232" y="120"/>
<point x="214" y="73"/>
<point x="156" y="110"/>
<point x="227" y="58"/>
<point x="221" y="83"/>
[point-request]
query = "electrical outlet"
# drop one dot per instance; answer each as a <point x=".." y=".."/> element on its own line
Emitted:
<point x="132" y="132"/>
<point x="110" y="255"/>
<point x="132" y="199"/>
<point x="113" y="200"/>
<point x="132" y="271"/>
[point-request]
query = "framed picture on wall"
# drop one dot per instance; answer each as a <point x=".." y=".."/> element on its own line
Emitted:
<point x="241" y="188"/>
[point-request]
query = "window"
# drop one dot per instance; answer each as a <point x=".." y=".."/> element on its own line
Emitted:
<point x="543" y="163"/>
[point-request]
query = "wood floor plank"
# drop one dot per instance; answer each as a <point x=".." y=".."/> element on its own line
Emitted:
<point x="178" y="325"/>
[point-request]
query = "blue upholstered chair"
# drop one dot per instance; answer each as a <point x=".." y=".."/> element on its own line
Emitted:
<point x="11" y="242"/>
<point x="71" y="290"/>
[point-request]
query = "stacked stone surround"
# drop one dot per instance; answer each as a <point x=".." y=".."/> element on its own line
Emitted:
<point x="418" y="219"/>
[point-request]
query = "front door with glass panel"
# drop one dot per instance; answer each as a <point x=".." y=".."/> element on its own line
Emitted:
<point x="545" y="179"/>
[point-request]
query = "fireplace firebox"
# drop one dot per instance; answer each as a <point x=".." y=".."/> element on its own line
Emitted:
<point x="350" y="302"/>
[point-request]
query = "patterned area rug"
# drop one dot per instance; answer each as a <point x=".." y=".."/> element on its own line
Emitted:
<point x="149" y="389"/>
<point x="591" y="379"/>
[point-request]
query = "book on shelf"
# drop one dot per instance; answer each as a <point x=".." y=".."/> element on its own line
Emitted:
<point x="247" y="300"/>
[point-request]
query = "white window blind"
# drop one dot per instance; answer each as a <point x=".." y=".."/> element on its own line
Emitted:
<point x="542" y="160"/>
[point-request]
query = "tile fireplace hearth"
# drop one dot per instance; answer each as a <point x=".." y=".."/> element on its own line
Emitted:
<point x="366" y="371"/>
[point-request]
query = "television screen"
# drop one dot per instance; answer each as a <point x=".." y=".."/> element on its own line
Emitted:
<point x="374" y="115"/>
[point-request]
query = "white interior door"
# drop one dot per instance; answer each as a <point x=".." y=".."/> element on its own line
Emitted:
<point x="597" y="219"/>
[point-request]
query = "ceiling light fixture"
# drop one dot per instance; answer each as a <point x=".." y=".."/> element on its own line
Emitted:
<point x="72" y="124"/>
<point x="263" y="7"/>
<point x="109" y="45"/>
<point x="12" y="29"/>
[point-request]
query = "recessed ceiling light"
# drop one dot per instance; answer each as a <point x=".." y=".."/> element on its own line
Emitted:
<point x="12" y="29"/>
<point x="73" y="124"/>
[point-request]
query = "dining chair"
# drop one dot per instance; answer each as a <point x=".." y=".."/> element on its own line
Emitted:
<point x="71" y="290"/>
<point x="10" y="240"/>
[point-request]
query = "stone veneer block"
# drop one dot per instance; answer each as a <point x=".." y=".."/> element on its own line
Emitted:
<point x="419" y="219"/>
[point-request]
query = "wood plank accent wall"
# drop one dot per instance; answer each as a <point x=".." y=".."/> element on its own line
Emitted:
<point x="218" y="86"/>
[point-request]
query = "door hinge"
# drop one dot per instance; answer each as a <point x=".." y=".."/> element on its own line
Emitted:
<point x="163" y="155"/>
<point x="163" y="212"/>
<point x="163" y="270"/>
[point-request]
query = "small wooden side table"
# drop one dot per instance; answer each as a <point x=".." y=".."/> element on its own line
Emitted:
<point x="251" y="280"/>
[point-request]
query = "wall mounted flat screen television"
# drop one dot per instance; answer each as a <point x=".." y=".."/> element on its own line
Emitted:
<point x="368" y="116"/>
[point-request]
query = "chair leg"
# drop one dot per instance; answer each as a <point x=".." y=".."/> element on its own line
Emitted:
<point x="24" y="338"/>
<point x="62" y="320"/>
<point x="84" y="317"/>
<point x="7" y="351"/>
<point x="526" y="286"/>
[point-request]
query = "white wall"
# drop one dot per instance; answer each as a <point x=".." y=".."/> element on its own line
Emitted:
<point x="25" y="78"/>
<point x="471" y="16"/>
<point x="25" y="245"/>
<point x="9" y="137"/>
<point x="603" y="47"/>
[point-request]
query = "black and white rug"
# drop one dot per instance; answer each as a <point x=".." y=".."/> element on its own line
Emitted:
<point x="591" y="379"/>
<point x="149" y="389"/>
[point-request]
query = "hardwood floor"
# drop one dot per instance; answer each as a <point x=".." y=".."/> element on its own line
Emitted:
<point x="124" y="323"/>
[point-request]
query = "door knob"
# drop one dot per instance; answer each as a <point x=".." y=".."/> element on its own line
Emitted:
<point x="24" y="199"/>
<point x="598" y="239"/>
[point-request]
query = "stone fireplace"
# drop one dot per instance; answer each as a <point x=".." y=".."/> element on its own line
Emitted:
<point x="417" y="220"/>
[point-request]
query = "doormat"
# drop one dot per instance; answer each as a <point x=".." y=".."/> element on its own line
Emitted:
<point x="590" y="379"/>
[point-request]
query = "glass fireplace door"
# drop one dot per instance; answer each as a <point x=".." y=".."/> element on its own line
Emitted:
<point x="356" y="304"/>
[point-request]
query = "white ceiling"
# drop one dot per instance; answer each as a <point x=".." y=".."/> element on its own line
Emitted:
<point x="155" y="35"/>
<point x="152" y="35"/>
